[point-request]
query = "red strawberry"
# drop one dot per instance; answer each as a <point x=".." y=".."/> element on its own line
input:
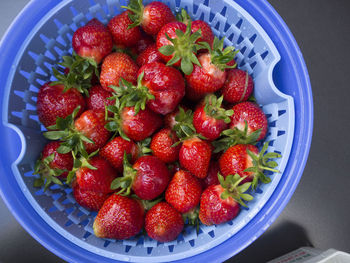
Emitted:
<point x="180" y="50"/>
<point x="116" y="66"/>
<point x="195" y="156"/>
<point x="119" y="218"/>
<point x="91" y="124"/>
<point x="166" y="84"/>
<point x="250" y="114"/>
<point x="141" y="45"/>
<point x="149" y="55"/>
<point x="98" y="99"/>
<point x="212" y="177"/>
<point x="238" y="86"/>
<point x="148" y="178"/>
<point x="89" y="199"/>
<point x="123" y="35"/>
<point x="245" y="160"/>
<point x="161" y="145"/>
<point x="210" y="119"/>
<point x="150" y="17"/>
<point x="53" y="102"/>
<point x="92" y="41"/>
<point x="163" y="223"/>
<point x="98" y="179"/>
<point x="211" y="75"/>
<point x="184" y="191"/>
<point x="221" y="203"/>
<point x="114" y="150"/>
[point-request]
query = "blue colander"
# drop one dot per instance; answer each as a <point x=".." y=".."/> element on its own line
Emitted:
<point x="42" y="34"/>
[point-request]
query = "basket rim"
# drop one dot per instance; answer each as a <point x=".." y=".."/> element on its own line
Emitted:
<point x="272" y="23"/>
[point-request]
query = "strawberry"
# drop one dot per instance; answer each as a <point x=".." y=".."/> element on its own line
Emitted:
<point x="98" y="99"/>
<point x="150" y="17"/>
<point x="212" y="176"/>
<point x="169" y="119"/>
<point x="54" y="101"/>
<point x="184" y="191"/>
<point x="166" y="84"/>
<point x="116" y="66"/>
<point x="149" y="55"/>
<point x="89" y="199"/>
<point x="238" y="86"/>
<point x="161" y="145"/>
<point x="91" y="125"/>
<point x="221" y="203"/>
<point x="163" y="223"/>
<point x="141" y="45"/>
<point x="123" y="34"/>
<point x="210" y="119"/>
<point x="114" y="150"/>
<point x="120" y="217"/>
<point x="177" y="45"/>
<point x="96" y="175"/>
<point x="195" y="156"/>
<point x="52" y="165"/>
<point x="251" y="115"/>
<point x="92" y="41"/>
<point x="210" y="75"/>
<point x="245" y="160"/>
<point x="148" y="178"/>
<point x="134" y="126"/>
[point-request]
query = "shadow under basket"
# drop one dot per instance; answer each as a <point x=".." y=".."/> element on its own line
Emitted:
<point x="42" y="49"/>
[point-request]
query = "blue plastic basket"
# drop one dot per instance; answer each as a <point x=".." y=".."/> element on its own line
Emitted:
<point x="42" y="33"/>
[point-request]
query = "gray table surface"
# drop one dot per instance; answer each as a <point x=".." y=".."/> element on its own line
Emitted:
<point x="319" y="211"/>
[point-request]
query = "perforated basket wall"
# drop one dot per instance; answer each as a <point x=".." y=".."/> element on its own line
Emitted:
<point x="52" y="38"/>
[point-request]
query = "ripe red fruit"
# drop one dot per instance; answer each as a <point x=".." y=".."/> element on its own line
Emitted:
<point x="98" y="99"/>
<point x="210" y="119"/>
<point x="98" y="179"/>
<point x="212" y="177"/>
<point x="215" y="210"/>
<point x="207" y="33"/>
<point x="161" y="145"/>
<point x="92" y="41"/>
<point x="150" y="17"/>
<point x="53" y="102"/>
<point x="140" y="126"/>
<point x="60" y="161"/>
<point x="163" y="223"/>
<point x="89" y="199"/>
<point x="92" y="125"/>
<point x="119" y="218"/>
<point x="122" y="34"/>
<point x="149" y="55"/>
<point x="184" y="191"/>
<point x="114" y="150"/>
<point x="148" y="178"/>
<point x="195" y="156"/>
<point x="166" y="84"/>
<point x="141" y="45"/>
<point x="115" y="66"/>
<point x="238" y="86"/>
<point x="250" y="113"/>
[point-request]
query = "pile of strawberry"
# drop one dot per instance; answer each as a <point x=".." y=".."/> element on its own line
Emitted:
<point x="151" y="125"/>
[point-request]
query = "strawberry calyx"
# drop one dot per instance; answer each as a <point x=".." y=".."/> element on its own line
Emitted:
<point x="232" y="137"/>
<point x="148" y="204"/>
<point x="47" y="174"/>
<point x="220" y="56"/>
<point x="136" y="7"/>
<point x="233" y="188"/>
<point x="192" y="218"/>
<point x="81" y="71"/>
<point x="124" y="183"/>
<point x="136" y="96"/>
<point x="183" y="47"/>
<point x="72" y="140"/>
<point x="183" y="16"/>
<point x="213" y="108"/>
<point x="144" y="147"/>
<point x="261" y="163"/>
<point x="82" y="161"/>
